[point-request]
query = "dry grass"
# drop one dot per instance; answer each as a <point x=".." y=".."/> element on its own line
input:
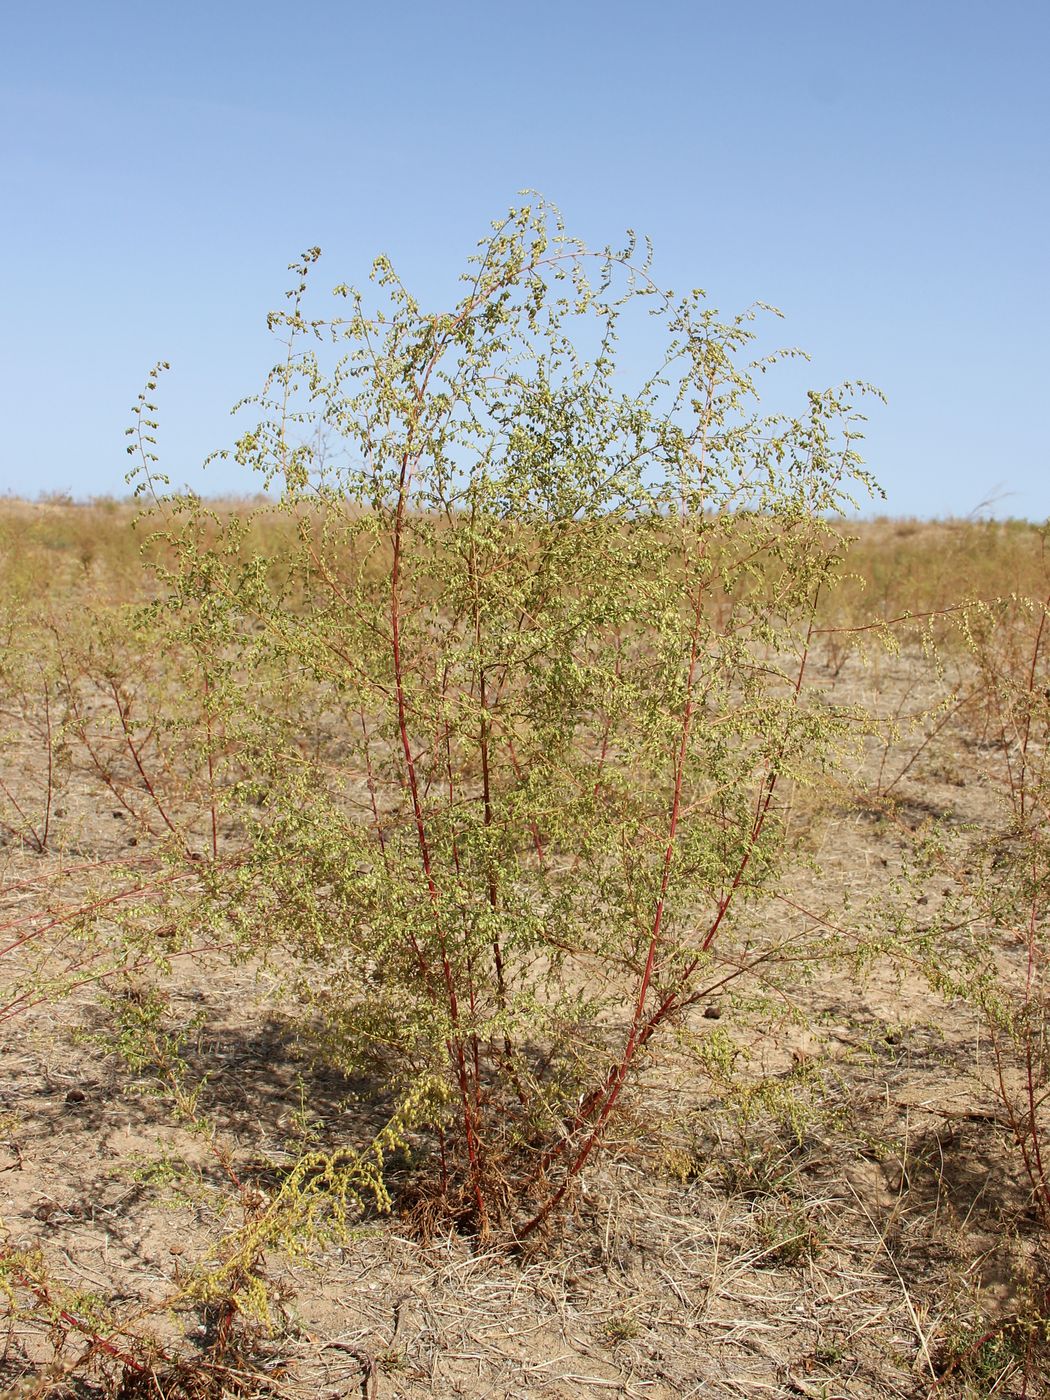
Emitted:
<point x="861" y="1247"/>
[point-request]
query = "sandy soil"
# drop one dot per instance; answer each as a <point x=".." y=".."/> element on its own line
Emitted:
<point x="704" y="1256"/>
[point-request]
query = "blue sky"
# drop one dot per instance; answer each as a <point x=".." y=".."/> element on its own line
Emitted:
<point x="880" y="172"/>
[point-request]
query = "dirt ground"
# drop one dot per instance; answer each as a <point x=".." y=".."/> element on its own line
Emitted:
<point x="705" y="1255"/>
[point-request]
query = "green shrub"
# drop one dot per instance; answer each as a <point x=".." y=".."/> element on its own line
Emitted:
<point x="518" y="717"/>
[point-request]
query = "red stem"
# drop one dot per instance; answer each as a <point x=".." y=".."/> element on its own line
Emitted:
<point x="599" y="1105"/>
<point x="139" y="765"/>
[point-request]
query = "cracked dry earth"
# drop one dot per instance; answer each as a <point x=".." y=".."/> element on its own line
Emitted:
<point x="703" y="1256"/>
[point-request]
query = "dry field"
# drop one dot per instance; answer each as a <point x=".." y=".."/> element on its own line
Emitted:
<point x="832" y="1205"/>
